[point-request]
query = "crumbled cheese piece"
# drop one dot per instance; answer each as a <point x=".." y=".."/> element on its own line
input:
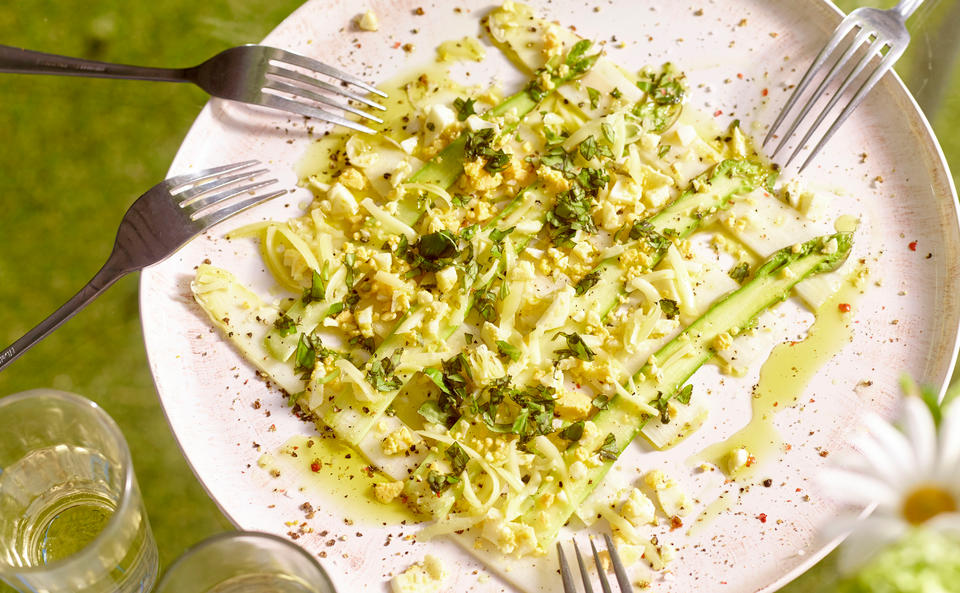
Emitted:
<point x="397" y="441"/>
<point x="553" y="179"/>
<point x="352" y="178"/>
<point x="572" y="405"/>
<point x="365" y="321"/>
<point x="385" y="492"/>
<point x="737" y="459"/>
<point x="423" y="577"/>
<point x="638" y="509"/>
<point x="409" y="145"/>
<point x="722" y="342"/>
<point x="446" y="279"/>
<point x="439" y="118"/>
<point x="672" y="499"/>
<point x="509" y="537"/>
<point x="342" y="202"/>
<point x="368" y="21"/>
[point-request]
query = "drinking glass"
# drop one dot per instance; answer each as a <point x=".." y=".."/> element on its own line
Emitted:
<point x="245" y="562"/>
<point x="71" y="515"/>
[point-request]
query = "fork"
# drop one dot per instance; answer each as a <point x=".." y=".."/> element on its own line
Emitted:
<point x="254" y="74"/>
<point x="618" y="569"/>
<point x="159" y="223"/>
<point x="872" y="29"/>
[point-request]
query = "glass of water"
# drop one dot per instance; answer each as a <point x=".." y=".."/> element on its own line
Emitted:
<point x="71" y="516"/>
<point x="245" y="562"/>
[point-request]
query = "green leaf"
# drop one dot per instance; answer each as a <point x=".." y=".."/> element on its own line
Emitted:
<point x="669" y="308"/>
<point x="438" y="245"/>
<point x="506" y="349"/>
<point x="608" y="134"/>
<point x="588" y="148"/>
<point x="458" y="458"/>
<point x="683" y="396"/>
<point x="594" y="95"/>
<point x="740" y="271"/>
<point x="285" y="325"/>
<point x="573" y="432"/>
<point x="439" y="482"/>
<point x="318" y="287"/>
<point x="587" y="282"/>
<point x="601" y="402"/>
<point x="349" y="261"/>
<point x="464" y="107"/>
<point x="608" y="450"/>
<point x="306" y="356"/>
<point x="431" y="412"/>
<point x="576" y="347"/>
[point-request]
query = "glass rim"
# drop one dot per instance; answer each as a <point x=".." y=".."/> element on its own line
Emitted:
<point x="88" y="553"/>
<point x="239" y="534"/>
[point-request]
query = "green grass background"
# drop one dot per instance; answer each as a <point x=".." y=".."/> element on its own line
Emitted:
<point x="75" y="153"/>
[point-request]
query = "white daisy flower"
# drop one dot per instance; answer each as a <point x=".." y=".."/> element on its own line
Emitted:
<point x="910" y="478"/>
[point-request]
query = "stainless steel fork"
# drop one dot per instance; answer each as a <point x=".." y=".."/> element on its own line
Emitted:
<point x="255" y="74"/>
<point x="618" y="569"/>
<point x="159" y="223"/>
<point x="872" y="30"/>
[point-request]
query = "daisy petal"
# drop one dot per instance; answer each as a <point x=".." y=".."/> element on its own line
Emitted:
<point x="892" y="440"/>
<point x="857" y="489"/>
<point x="921" y="431"/>
<point x="946" y="523"/>
<point x="878" y="462"/>
<point x="874" y="534"/>
<point x="949" y="443"/>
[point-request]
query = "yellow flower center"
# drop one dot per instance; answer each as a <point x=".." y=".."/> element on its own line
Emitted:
<point x="926" y="502"/>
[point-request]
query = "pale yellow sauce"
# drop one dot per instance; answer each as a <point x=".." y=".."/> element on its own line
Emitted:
<point x="722" y="504"/>
<point x="783" y="378"/>
<point x="329" y="471"/>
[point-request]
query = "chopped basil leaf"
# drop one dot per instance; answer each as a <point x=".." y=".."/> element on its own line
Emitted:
<point x="285" y="325"/>
<point x="601" y="402"/>
<point x="573" y="432"/>
<point x="576" y="347"/>
<point x="587" y="282"/>
<point x="669" y="308"/>
<point x="608" y="450"/>
<point x="464" y="107"/>
<point x="506" y="349"/>
<point x="594" y="95"/>
<point x="318" y="287"/>
<point x="740" y="271"/>
<point x="458" y="458"/>
<point x="683" y="396"/>
<point x="431" y="412"/>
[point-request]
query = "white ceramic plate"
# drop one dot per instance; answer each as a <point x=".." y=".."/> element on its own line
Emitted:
<point x="731" y="51"/>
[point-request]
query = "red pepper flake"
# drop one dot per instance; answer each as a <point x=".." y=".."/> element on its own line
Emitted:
<point x="740" y="75"/>
<point x="315" y="466"/>
<point x="765" y="92"/>
<point x="675" y="522"/>
<point x="751" y="460"/>
<point x="912" y="246"/>
<point x="762" y="517"/>
<point x="396" y="45"/>
<point x="717" y="112"/>
<point x="844" y="307"/>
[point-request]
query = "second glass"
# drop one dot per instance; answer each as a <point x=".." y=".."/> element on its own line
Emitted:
<point x="245" y="562"/>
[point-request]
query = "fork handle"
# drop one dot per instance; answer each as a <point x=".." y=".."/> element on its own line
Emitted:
<point x="906" y="7"/>
<point x="27" y="61"/>
<point x="103" y="279"/>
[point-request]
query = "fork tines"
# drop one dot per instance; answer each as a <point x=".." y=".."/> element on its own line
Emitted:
<point x="195" y="192"/>
<point x="619" y="571"/>
<point x="281" y="78"/>
<point x="859" y="33"/>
